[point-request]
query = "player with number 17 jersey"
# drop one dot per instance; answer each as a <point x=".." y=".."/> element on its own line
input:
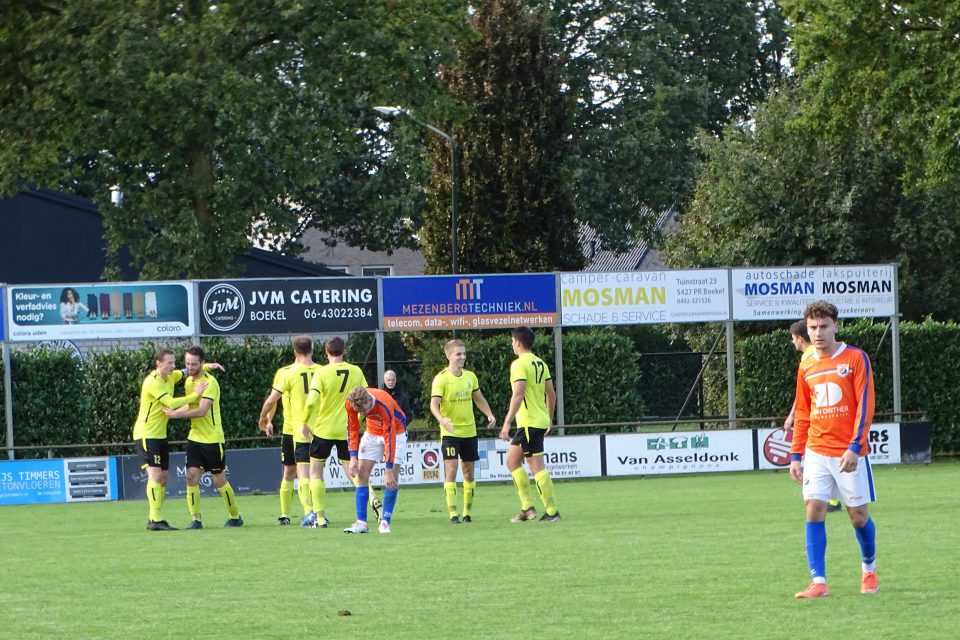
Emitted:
<point x="293" y="381"/>
<point x="533" y="411"/>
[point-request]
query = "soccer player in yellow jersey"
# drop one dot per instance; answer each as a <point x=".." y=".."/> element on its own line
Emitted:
<point x="325" y="422"/>
<point x="291" y="385"/>
<point x="150" y="430"/>
<point x="532" y="404"/>
<point x="205" y="440"/>
<point x="801" y="342"/>
<point x="454" y="392"/>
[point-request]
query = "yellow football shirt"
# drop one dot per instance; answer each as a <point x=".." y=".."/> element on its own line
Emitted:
<point x="456" y="401"/>
<point x="326" y="411"/>
<point x="295" y="387"/>
<point x="533" y="410"/>
<point x="208" y="428"/>
<point x="288" y="426"/>
<point x="155" y="394"/>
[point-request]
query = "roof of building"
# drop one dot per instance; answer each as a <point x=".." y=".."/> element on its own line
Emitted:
<point x="635" y="259"/>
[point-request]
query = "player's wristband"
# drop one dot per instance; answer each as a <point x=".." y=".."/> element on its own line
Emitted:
<point x="796" y="457"/>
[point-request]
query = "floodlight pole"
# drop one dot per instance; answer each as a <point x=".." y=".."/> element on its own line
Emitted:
<point x="454" y="174"/>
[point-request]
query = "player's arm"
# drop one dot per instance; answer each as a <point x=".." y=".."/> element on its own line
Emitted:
<point x="170" y="402"/>
<point x="353" y="439"/>
<point x="788" y="422"/>
<point x="444" y="421"/>
<point x="863" y="417"/>
<point x="551" y="400"/>
<point x="484" y="407"/>
<point x="437" y="389"/>
<point x="801" y="423"/>
<point x="267" y="411"/>
<point x="394" y="425"/>
<point x="184" y="412"/>
<point x="519" y="388"/>
<point x="312" y="405"/>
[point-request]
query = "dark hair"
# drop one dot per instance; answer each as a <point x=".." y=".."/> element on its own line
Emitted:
<point x="799" y="328"/>
<point x="161" y="353"/>
<point x="335" y="346"/>
<point x="63" y="295"/>
<point x="821" y="309"/>
<point x="303" y="345"/>
<point x="196" y="350"/>
<point x="523" y="335"/>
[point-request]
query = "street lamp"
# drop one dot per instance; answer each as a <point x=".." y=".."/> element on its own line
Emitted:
<point x="454" y="175"/>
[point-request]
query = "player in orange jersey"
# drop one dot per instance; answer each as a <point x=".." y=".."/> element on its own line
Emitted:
<point x="834" y="410"/>
<point x="385" y="439"/>
<point x="801" y="342"/>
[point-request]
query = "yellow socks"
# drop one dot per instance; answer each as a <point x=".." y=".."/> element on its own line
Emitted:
<point x="286" y="497"/>
<point x="522" y="483"/>
<point x="229" y="499"/>
<point x="468" y="490"/>
<point x="545" y="487"/>
<point x="318" y="495"/>
<point x="155" y="499"/>
<point x="193" y="501"/>
<point x="450" y="493"/>
<point x="303" y="492"/>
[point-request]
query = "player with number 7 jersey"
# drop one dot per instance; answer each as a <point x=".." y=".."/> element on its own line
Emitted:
<point x="325" y="415"/>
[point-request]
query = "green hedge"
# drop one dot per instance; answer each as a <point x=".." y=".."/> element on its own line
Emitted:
<point x="929" y="376"/>
<point x="61" y="400"/>
<point x="601" y="376"/>
<point x="50" y="401"/>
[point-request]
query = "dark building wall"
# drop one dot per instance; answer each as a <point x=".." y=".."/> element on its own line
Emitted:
<point x="53" y="237"/>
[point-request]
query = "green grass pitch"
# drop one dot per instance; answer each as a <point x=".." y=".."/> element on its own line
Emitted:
<point x="709" y="556"/>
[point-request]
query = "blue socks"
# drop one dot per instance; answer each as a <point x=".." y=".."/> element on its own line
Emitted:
<point x="362" y="497"/>
<point x="867" y="537"/>
<point x="817" y="548"/>
<point x="389" y="502"/>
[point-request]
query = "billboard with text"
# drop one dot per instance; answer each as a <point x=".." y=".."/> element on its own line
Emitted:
<point x="631" y="454"/>
<point x="774" y="445"/>
<point x="469" y="302"/>
<point x="782" y="293"/>
<point x="112" y="310"/>
<point x="301" y="305"/>
<point x="644" y="297"/>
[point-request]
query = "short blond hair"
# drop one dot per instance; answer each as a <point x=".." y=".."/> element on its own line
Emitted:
<point x="360" y="400"/>
<point x="453" y="344"/>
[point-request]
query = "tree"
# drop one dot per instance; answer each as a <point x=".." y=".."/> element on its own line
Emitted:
<point x="222" y="122"/>
<point x="892" y="66"/>
<point x="516" y="211"/>
<point x="776" y="193"/>
<point x="646" y="77"/>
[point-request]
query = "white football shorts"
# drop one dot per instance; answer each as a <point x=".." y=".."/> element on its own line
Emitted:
<point x="373" y="448"/>
<point x="822" y="480"/>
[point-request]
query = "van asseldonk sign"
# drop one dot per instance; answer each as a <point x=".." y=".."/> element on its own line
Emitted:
<point x="300" y="305"/>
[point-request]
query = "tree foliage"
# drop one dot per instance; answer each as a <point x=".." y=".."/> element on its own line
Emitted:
<point x="516" y="212"/>
<point x="220" y="121"/>
<point x="890" y="66"/>
<point x="637" y="80"/>
<point x="778" y="193"/>
<point x="646" y="77"/>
